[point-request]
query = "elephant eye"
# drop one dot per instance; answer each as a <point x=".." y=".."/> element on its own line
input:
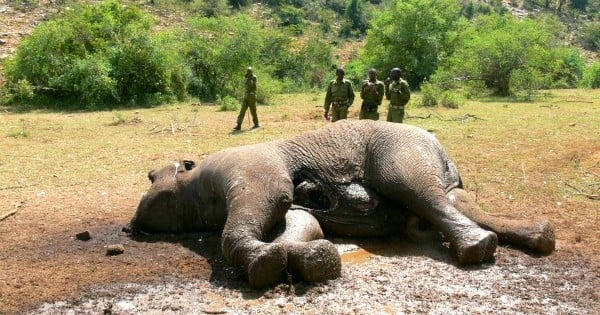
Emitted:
<point x="189" y="165"/>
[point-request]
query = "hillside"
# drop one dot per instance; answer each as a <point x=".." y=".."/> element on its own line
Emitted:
<point x="18" y="19"/>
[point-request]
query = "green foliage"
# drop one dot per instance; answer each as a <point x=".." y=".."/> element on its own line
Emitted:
<point x="238" y="4"/>
<point x="414" y="35"/>
<point x="356" y="18"/>
<point x="496" y="46"/>
<point x="472" y="8"/>
<point x="98" y="54"/>
<point x="450" y="99"/>
<point x="429" y="94"/>
<point x="589" y="36"/>
<point x="591" y="77"/>
<point x="228" y="104"/>
<point x="19" y="132"/>
<point x="25" y="4"/>
<point x="218" y="50"/>
<point x="290" y="15"/>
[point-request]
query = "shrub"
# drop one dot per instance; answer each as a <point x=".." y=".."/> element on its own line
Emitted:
<point x="589" y="37"/>
<point x="98" y="54"/>
<point x="429" y="94"/>
<point x="495" y="47"/>
<point x="591" y="77"/>
<point x="228" y="103"/>
<point x="450" y="99"/>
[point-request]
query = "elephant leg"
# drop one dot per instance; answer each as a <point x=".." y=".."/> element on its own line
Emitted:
<point x="537" y="236"/>
<point x="253" y="213"/>
<point x="310" y="257"/>
<point x="417" y="234"/>
<point x="471" y="243"/>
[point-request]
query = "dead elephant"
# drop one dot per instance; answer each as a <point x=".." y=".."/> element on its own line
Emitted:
<point x="274" y="201"/>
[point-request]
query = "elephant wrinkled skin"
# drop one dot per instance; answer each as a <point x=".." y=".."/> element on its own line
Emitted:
<point x="274" y="201"/>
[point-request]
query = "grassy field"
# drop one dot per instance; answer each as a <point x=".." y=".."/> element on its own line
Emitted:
<point x="544" y="154"/>
<point x="65" y="172"/>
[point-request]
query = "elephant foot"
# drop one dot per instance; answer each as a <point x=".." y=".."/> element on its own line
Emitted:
<point x="476" y="247"/>
<point x="314" y="261"/>
<point x="540" y="238"/>
<point x="268" y="268"/>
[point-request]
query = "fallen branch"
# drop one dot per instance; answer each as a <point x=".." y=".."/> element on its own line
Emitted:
<point x="467" y="116"/>
<point x="579" y="101"/>
<point x="582" y="193"/>
<point x="13" y="212"/>
<point x="419" y="117"/>
<point x="6" y="215"/>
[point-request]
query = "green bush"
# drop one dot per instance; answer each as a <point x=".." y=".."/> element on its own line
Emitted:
<point x="415" y="35"/>
<point x="591" y="77"/>
<point x="495" y="47"/>
<point x="429" y="94"/>
<point x="290" y="15"/>
<point x="450" y="99"/>
<point x="99" y="54"/>
<point x="589" y="36"/>
<point x="228" y="104"/>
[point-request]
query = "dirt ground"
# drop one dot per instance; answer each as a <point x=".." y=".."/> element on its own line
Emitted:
<point x="47" y="270"/>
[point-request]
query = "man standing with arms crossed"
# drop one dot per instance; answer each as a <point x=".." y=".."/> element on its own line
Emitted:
<point x="339" y="97"/>
<point x="371" y="92"/>
<point x="398" y="93"/>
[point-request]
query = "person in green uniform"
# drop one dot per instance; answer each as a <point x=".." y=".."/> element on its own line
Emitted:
<point x="371" y="92"/>
<point x="249" y="101"/>
<point x="339" y="97"/>
<point x="398" y="93"/>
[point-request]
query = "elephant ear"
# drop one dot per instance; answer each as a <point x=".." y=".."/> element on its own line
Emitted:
<point x="151" y="176"/>
<point x="188" y="165"/>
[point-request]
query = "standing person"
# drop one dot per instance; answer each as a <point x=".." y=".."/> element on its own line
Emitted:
<point x="339" y="97"/>
<point x="398" y="93"/>
<point x="371" y="92"/>
<point x="249" y="101"/>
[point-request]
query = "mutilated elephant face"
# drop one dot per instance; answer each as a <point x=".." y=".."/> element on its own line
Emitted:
<point x="164" y="208"/>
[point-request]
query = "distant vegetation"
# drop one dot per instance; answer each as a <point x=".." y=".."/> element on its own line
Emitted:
<point x="112" y="55"/>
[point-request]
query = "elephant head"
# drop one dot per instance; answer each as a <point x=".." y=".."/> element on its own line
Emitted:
<point x="170" y="206"/>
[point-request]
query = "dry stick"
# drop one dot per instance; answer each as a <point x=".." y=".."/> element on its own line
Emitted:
<point x="580" y="192"/>
<point x="172" y="127"/>
<point x="419" y="117"/>
<point x="580" y="101"/>
<point x="6" y="215"/>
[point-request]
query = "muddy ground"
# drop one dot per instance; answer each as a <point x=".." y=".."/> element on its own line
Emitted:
<point x="47" y="270"/>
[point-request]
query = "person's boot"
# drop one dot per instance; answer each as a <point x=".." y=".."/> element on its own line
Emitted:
<point x="256" y="126"/>
<point x="237" y="128"/>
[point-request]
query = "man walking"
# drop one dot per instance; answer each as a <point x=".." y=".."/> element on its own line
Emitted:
<point x="339" y="97"/>
<point x="249" y="101"/>
<point x="371" y="92"/>
<point x="398" y="93"/>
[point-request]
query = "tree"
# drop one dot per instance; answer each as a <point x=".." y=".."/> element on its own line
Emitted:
<point x="414" y="35"/>
<point x="499" y="48"/>
<point x="218" y="52"/>
<point x="98" y="54"/>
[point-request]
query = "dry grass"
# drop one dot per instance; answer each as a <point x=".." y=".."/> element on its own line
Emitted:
<point x="540" y="154"/>
<point x="62" y="173"/>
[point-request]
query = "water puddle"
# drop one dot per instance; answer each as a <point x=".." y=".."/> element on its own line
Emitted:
<point x="358" y="256"/>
